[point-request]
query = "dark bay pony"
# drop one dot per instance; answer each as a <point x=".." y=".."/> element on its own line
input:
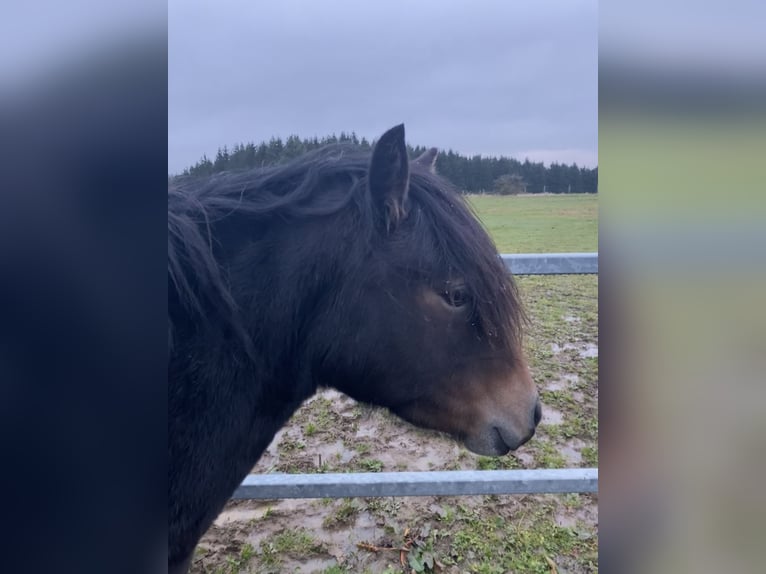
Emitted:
<point x="367" y="273"/>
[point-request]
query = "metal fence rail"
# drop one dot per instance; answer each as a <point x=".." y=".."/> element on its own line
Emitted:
<point x="443" y="483"/>
<point x="551" y="263"/>
<point x="433" y="483"/>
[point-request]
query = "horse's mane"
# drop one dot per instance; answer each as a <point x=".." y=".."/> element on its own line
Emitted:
<point x="196" y="203"/>
<point x="288" y="189"/>
<point x="323" y="182"/>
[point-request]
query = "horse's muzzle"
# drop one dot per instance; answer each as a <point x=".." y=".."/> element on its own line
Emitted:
<point x="500" y="439"/>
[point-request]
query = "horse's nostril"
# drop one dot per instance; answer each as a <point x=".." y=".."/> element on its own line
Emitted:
<point x="538" y="412"/>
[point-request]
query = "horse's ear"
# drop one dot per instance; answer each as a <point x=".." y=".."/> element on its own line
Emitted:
<point x="427" y="159"/>
<point x="389" y="176"/>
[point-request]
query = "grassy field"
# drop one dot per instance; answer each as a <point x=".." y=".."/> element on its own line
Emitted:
<point x="483" y="534"/>
<point x="540" y="224"/>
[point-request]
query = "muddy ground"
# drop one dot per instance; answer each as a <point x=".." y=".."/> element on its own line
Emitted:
<point x="487" y="534"/>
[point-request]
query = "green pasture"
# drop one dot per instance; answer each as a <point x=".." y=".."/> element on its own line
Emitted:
<point x="540" y="223"/>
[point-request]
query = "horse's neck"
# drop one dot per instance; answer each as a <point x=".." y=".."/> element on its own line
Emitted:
<point x="222" y="419"/>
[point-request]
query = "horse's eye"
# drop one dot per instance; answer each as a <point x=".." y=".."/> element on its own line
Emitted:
<point x="456" y="296"/>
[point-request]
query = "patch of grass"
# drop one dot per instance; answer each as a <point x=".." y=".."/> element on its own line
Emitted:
<point x="562" y="400"/>
<point x="324" y="417"/>
<point x="492" y="544"/>
<point x="293" y="542"/>
<point x="235" y="565"/>
<point x="383" y="507"/>
<point x="546" y="456"/>
<point x="370" y="465"/>
<point x="297" y="465"/>
<point x="572" y="500"/>
<point x="590" y="455"/>
<point x="583" y="426"/>
<point x="446" y="514"/>
<point x="317" y="417"/>
<point x="290" y="444"/>
<point x="344" y="515"/>
<point x="588" y="369"/>
<point x="507" y="462"/>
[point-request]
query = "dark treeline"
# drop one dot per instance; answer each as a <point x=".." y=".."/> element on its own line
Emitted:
<point x="477" y="174"/>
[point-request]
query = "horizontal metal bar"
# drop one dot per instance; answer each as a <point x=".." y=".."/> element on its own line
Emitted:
<point x="437" y="483"/>
<point x="551" y="263"/>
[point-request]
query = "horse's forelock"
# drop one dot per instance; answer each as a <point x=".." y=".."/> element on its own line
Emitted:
<point x="465" y="248"/>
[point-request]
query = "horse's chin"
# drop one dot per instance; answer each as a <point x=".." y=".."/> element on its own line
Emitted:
<point x="493" y="441"/>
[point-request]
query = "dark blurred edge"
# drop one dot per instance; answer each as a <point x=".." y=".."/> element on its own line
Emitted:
<point x="83" y="405"/>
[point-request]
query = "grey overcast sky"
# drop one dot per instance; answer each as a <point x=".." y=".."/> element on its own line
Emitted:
<point x="488" y="77"/>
